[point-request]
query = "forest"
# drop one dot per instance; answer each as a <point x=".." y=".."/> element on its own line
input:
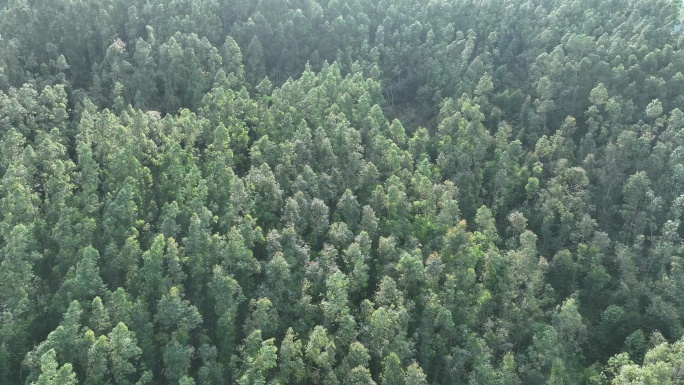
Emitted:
<point x="341" y="192"/>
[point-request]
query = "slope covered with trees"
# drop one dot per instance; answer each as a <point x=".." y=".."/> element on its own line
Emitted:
<point x="341" y="192"/>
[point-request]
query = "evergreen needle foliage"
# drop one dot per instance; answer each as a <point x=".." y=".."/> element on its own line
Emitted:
<point x="338" y="192"/>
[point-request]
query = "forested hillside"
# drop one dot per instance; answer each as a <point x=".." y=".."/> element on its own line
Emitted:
<point x="352" y="192"/>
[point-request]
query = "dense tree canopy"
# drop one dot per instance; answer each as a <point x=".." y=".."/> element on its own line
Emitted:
<point x="341" y="192"/>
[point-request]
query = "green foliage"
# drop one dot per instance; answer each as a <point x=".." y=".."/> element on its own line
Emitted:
<point x="341" y="192"/>
<point x="124" y="354"/>
<point x="51" y="374"/>
<point x="661" y="365"/>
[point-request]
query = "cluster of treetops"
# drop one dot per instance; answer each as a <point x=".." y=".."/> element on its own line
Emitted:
<point x="391" y="192"/>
